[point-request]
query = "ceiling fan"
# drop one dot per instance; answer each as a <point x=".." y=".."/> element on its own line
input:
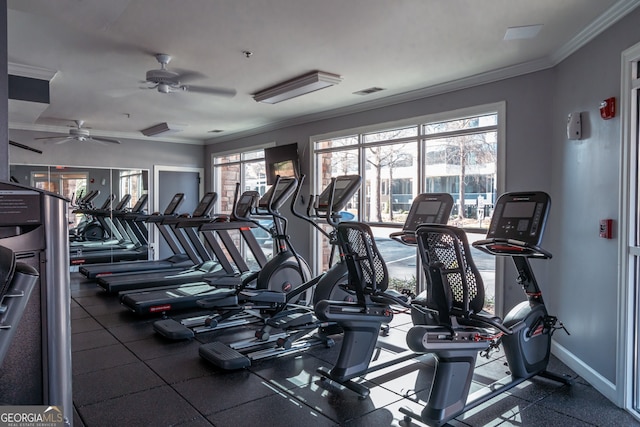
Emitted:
<point x="79" y="133"/>
<point x="168" y="81"/>
<point x="24" y="147"/>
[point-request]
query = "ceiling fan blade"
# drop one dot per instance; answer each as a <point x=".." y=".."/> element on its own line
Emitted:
<point x="218" y="91"/>
<point x="101" y="139"/>
<point x="65" y="140"/>
<point x="185" y="76"/>
<point x="24" y="147"/>
<point x="51" y="137"/>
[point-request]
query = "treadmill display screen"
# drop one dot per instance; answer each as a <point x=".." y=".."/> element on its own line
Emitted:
<point x="519" y="210"/>
<point x="205" y="205"/>
<point x="173" y="205"/>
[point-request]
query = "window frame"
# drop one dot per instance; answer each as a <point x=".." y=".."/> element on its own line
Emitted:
<point x="498" y="108"/>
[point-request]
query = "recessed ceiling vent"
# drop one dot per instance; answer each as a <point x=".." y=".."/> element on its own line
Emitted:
<point x="368" y="91"/>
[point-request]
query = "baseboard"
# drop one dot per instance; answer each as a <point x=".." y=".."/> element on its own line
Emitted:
<point x="600" y="383"/>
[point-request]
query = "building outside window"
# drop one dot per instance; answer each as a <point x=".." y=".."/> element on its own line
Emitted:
<point x="248" y="170"/>
<point x="457" y="153"/>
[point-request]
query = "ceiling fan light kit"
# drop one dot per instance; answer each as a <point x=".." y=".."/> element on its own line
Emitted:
<point x="298" y="86"/>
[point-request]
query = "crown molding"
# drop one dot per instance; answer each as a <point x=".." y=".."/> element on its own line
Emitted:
<point x="439" y="89"/>
<point x="64" y="130"/>
<point x="604" y="21"/>
<point x="31" y="71"/>
<point x="600" y="24"/>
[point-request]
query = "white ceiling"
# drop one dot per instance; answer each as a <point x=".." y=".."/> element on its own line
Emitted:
<point x="100" y="51"/>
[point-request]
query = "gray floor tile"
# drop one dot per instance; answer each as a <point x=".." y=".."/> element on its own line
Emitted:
<point x="101" y="358"/>
<point x="275" y="410"/>
<point x="97" y="386"/>
<point x="160" y="406"/>
<point x="92" y="339"/>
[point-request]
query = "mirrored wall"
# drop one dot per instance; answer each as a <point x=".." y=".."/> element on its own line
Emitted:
<point x="124" y="189"/>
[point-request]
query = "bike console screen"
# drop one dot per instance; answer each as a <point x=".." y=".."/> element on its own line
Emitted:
<point x="520" y="216"/>
<point x="428" y="208"/>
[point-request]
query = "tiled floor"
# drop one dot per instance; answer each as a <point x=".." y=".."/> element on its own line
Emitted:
<point x="125" y="375"/>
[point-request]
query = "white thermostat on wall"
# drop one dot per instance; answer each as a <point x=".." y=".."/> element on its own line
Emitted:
<point x="574" y="126"/>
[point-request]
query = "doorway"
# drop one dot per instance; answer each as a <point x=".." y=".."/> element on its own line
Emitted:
<point x="628" y="374"/>
<point x="169" y="180"/>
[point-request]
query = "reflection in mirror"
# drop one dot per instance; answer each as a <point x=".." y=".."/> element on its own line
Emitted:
<point x="110" y="233"/>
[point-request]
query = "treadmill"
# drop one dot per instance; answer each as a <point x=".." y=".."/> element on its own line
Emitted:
<point x="185" y="231"/>
<point x="185" y="296"/>
<point x="178" y="261"/>
<point x="122" y="248"/>
<point x="127" y="219"/>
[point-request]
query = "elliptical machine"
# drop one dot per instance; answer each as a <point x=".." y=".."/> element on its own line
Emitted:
<point x="456" y="295"/>
<point x="288" y="326"/>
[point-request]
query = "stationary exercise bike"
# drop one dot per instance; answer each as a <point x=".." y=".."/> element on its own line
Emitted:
<point x="363" y="317"/>
<point x="463" y="330"/>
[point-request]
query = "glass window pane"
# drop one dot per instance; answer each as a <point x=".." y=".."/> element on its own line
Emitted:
<point x="252" y="155"/>
<point x="464" y="166"/>
<point x="400" y="260"/>
<point x="391" y="134"/>
<point x="226" y="178"/>
<point x="334" y="164"/>
<point x="460" y="124"/>
<point x="390" y="181"/>
<point x="255" y="177"/>
<point x="226" y="159"/>
<point x="337" y="142"/>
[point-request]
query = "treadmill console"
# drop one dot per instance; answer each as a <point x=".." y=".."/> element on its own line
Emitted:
<point x="427" y="208"/>
<point x="247" y="201"/>
<point x="108" y="203"/>
<point x="140" y="204"/>
<point x="343" y="189"/>
<point x="206" y="204"/>
<point x="520" y="216"/>
<point x="281" y="191"/>
<point x="122" y="203"/>
<point x="174" y="204"/>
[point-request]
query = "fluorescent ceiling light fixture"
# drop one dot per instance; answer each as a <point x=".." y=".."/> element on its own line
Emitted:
<point x="524" y="32"/>
<point x="162" y="128"/>
<point x="302" y="85"/>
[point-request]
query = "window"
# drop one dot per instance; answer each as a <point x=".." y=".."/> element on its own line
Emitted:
<point x="131" y="182"/>
<point x="248" y="170"/>
<point x="457" y="154"/>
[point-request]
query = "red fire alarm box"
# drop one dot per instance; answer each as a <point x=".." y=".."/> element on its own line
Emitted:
<point x="608" y="108"/>
<point x="606" y="228"/>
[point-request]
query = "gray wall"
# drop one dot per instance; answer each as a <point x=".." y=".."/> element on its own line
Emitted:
<point x="130" y="154"/>
<point x="527" y="138"/>
<point x="580" y="282"/>
<point x="585" y="177"/>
